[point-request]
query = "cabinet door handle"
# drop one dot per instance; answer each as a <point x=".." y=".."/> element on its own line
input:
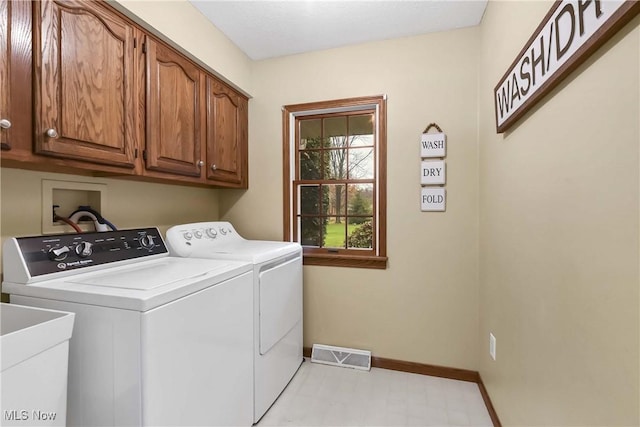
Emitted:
<point x="200" y="163"/>
<point x="5" y="124"/>
<point x="213" y="167"/>
<point x="52" y="133"/>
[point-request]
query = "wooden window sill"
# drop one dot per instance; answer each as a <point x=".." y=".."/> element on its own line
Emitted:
<point x="333" y="260"/>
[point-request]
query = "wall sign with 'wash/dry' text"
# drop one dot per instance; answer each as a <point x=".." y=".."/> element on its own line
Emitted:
<point x="569" y="33"/>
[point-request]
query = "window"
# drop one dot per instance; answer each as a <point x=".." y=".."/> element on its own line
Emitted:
<point x="335" y="181"/>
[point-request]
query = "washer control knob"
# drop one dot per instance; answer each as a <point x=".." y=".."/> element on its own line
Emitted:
<point x="84" y="249"/>
<point x="211" y="232"/>
<point x="147" y="242"/>
<point x="223" y="231"/>
<point x="197" y="234"/>
<point x="187" y="235"/>
<point x="58" y="254"/>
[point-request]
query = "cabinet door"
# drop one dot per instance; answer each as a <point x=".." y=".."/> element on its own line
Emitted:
<point x="84" y="96"/>
<point x="5" y="49"/>
<point x="175" y="112"/>
<point x="226" y="135"/>
<point x="16" y="107"/>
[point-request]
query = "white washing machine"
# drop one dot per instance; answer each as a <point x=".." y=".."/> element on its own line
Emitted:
<point x="277" y="303"/>
<point x="157" y="340"/>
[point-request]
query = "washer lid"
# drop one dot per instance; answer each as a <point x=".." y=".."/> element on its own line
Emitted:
<point x="140" y="286"/>
<point x="148" y="277"/>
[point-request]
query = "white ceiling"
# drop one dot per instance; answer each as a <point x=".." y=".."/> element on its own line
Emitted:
<point x="269" y="28"/>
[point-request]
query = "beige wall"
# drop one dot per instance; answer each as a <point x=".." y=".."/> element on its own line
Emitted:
<point x="423" y="308"/>
<point x="559" y="231"/>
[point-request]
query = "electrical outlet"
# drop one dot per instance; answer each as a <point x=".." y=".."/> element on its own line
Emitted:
<point x="492" y="346"/>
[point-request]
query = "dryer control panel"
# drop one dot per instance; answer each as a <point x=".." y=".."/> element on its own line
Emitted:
<point x="44" y="255"/>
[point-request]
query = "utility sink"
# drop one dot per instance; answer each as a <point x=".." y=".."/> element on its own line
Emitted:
<point x="27" y="331"/>
<point x="34" y="354"/>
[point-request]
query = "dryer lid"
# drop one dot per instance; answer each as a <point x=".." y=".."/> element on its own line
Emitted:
<point x="255" y="251"/>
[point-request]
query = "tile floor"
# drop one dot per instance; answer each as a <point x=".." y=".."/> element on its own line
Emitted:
<point x="321" y="395"/>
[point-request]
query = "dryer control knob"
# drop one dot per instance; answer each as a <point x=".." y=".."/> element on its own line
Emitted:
<point x="84" y="249"/>
<point x="223" y="231"/>
<point x="187" y="235"/>
<point x="58" y="254"/>
<point x="198" y="234"/>
<point x="147" y="242"/>
<point x="211" y="232"/>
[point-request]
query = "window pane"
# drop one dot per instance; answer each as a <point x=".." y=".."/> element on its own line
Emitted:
<point x="336" y="232"/>
<point x="361" y="163"/>
<point x="310" y="165"/>
<point x="360" y="202"/>
<point x="336" y="161"/>
<point x="361" y="129"/>
<point x="361" y="141"/>
<point x="335" y="132"/>
<point x="337" y="200"/>
<point x="361" y="235"/>
<point x="311" y="230"/>
<point x="310" y="133"/>
<point x="309" y="199"/>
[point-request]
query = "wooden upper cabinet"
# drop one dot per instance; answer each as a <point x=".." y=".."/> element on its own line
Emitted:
<point x="82" y="87"/>
<point x="5" y="50"/>
<point x="83" y="92"/>
<point x="175" y="112"/>
<point x="226" y="135"/>
<point x="16" y="115"/>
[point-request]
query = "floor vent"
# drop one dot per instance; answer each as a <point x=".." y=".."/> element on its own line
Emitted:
<point x="339" y="356"/>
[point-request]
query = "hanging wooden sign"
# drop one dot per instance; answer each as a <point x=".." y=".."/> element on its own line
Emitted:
<point x="433" y="199"/>
<point x="433" y="144"/>
<point x="432" y="173"/>
<point x="570" y="32"/>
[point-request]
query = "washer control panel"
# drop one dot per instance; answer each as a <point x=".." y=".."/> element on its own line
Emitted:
<point x="61" y="252"/>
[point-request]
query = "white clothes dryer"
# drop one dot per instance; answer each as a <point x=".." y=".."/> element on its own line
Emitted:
<point x="157" y="340"/>
<point x="277" y="298"/>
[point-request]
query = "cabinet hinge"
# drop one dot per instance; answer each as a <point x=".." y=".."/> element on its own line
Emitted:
<point x="144" y="48"/>
<point x="144" y="154"/>
<point x="135" y="42"/>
